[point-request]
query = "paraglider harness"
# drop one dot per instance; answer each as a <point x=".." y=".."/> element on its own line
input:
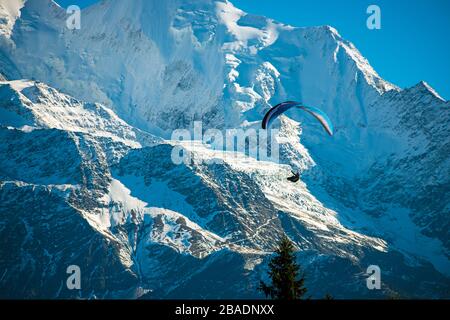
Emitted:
<point x="295" y="177"/>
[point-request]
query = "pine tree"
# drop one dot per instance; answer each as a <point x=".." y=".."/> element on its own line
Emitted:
<point x="287" y="283"/>
<point x="328" y="297"/>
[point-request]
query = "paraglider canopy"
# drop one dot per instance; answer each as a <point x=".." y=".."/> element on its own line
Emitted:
<point x="281" y="108"/>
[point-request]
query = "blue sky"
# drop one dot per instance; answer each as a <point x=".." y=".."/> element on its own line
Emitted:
<point x="413" y="43"/>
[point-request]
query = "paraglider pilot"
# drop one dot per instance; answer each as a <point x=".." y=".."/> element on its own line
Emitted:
<point x="295" y="177"/>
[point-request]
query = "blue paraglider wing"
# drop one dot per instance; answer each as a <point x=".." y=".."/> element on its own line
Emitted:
<point x="281" y="108"/>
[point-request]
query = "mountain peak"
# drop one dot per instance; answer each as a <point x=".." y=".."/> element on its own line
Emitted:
<point x="424" y="88"/>
<point x="331" y="30"/>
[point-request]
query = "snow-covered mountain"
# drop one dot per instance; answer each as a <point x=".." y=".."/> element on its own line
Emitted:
<point x="87" y="177"/>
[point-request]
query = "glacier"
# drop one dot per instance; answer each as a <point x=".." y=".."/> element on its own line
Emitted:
<point x="86" y="175"/>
